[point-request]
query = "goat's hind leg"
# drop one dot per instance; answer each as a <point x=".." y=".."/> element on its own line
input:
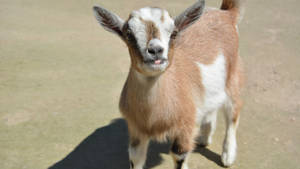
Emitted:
<point x="231" y="111"/>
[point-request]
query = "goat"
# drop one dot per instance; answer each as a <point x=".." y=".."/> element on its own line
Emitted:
<point x="183" y="70"/>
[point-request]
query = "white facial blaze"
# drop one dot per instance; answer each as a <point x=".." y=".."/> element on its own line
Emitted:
<point x="155" y="42"/>
<point x="163" y="22"/>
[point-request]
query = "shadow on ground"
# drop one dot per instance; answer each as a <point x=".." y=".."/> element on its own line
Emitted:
<point x="107" y="148"/>
<point x="210" y="155"/>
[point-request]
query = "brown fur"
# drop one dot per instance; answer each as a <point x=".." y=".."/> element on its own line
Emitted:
<point x="151" y="29"/>
<point x="216" y="33"/>
<point x="164" y="106"/>
<point x="234" y="6"/>
<point x="229" y="4"/>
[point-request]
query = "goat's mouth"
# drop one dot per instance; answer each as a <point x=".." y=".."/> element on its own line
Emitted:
<point x="155" y="65"/>
<point x="155" y="61"/>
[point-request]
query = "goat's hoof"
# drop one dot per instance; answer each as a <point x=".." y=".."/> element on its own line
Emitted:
<point x="227" y="159"/>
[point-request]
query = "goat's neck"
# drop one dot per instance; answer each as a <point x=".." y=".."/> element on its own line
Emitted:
<point x="145" y="85"/>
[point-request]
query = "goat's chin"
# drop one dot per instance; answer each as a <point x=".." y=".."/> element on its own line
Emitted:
<point x="151" y="69"/>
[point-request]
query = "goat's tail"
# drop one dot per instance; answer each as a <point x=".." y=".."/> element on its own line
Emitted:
<point x="235" y="7"/>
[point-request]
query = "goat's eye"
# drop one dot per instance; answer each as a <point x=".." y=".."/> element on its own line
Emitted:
<point x="129" y="34"/>
<point x="174" y="34"/>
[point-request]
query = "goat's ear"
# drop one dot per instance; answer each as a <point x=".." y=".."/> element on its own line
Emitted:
<point x="190" y="15"/>
<point x="108" y="20"/>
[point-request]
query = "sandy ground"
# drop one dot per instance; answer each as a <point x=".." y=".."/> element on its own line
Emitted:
<point x="61" y="76"/>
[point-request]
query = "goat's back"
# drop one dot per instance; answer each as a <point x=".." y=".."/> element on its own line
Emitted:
<point x="214" y="33"/>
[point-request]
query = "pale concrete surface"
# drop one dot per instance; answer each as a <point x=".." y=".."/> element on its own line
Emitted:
<point x="61" y="76"/>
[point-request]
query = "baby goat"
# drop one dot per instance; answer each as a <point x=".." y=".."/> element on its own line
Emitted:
<point x="183" y="70"/>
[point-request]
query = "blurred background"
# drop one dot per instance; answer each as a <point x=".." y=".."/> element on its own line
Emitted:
<point x="61" y="75"/>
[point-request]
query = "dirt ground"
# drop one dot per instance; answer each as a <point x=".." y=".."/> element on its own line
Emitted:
<point x="61" y="77"/>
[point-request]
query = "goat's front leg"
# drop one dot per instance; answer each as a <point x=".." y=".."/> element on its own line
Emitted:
<point x="180" y="151"/>
<point x="138" y="152"/>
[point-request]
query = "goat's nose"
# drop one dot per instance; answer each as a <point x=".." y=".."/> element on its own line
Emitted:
<point x="155" y="50"/>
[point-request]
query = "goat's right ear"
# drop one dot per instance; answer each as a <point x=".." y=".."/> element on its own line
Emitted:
<point x="108" y="20"/>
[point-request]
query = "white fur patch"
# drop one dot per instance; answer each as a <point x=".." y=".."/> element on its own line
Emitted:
<point x="180" y="156"/>
<point x="213" y="79"/>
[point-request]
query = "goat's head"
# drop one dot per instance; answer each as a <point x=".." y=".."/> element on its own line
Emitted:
<point x="149" y="34"/>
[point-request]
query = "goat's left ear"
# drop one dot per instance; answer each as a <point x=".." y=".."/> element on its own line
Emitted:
<point x="108" y="20"/>
<point x="190" y="15"/>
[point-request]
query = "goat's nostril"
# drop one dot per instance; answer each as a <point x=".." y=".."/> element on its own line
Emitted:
<point x="155" y="50"/>
<point x="151" y="51"/>
<point x="160" y="50"/>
